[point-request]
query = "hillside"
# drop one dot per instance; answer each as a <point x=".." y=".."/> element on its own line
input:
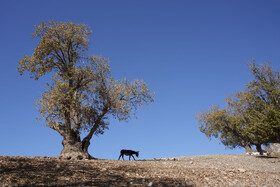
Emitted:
<point x="209" y="170"/>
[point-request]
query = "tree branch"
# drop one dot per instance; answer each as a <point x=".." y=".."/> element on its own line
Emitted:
<point x="96" y="124"/>
<point x="57" y="126"/>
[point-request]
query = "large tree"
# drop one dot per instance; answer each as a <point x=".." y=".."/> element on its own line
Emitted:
<point x="82" y="94"/>
<point x="263" y="98"/>
<point x="252" y="116"/>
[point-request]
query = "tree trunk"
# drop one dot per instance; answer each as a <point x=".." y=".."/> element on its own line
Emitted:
<point x="74" y="149"/>
<point x="259" y="148"/>
<point x="248" y="148"/>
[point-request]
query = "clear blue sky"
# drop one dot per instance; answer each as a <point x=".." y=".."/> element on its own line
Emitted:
<point x="192" y="54"/>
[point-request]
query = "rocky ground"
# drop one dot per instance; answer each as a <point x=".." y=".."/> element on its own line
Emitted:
<point x="210" y="170"/>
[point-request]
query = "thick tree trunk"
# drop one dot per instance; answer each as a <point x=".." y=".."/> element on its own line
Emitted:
<point x="74" y="149"/>
<point x="259" y="149"/>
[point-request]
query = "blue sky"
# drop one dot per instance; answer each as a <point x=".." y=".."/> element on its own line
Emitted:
<point x="192" y="54"/>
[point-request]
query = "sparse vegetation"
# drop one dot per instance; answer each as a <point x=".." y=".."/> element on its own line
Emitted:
<point x="208" y="170"/>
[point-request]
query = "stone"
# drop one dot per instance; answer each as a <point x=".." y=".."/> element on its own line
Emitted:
<point x="150" y="184"/>
<point x="255" y="153"/>
<point x="241" y="170"/>
<point x="275" y="148"/>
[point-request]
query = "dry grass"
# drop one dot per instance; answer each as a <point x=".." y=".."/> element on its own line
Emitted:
<point x="209" y="170"/>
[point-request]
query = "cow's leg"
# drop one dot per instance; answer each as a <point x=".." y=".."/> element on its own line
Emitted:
<point x="120" y="156"/>
<point x="133" y="157"/>
<point x="129" y="157"/>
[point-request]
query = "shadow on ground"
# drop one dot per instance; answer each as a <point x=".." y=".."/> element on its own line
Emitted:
<point x="22" y="171"/>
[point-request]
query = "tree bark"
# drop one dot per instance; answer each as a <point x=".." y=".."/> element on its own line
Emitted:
<point x="86" y="140"/>
<point x="259" y="148"/>
<point x="73" y="148"/>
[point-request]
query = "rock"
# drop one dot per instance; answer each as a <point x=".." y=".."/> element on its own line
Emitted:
<point x="207" y="178"/>
<point x="191" y="162"/>
<point x="255" y="153"/>
<point x="241" y="170"/>
<point x="275" y="148"/>
<point x="150" y="184"/>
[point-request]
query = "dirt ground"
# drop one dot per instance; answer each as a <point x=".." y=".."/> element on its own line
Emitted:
<point x="209" y="170"/>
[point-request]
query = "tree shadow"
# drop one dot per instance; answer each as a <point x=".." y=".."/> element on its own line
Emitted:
<point x="52" y="172"/>
<point x="267" y="157"/>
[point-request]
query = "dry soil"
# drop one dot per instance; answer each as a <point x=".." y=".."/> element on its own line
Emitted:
<point x="209" y="170"/>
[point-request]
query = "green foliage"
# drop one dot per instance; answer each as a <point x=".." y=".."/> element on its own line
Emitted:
<point x="82" y="94"/>
<point x="252" y="116"/>
<point x="223" y="124"/>
<point x="263" y="111"/>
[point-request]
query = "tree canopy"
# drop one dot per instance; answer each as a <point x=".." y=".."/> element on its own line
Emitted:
<point x="252" y="116"/>
<point x="82" y="94"/>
